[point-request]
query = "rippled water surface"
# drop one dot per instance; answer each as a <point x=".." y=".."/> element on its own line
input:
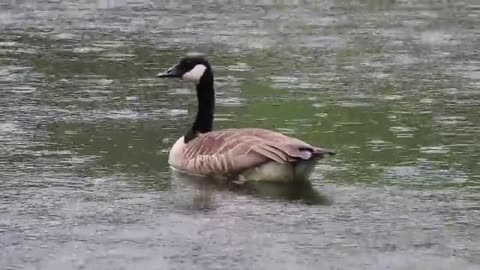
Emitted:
<point x="85" y="129"/>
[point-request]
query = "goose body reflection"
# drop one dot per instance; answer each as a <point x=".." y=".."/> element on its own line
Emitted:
<point x="201" y="193"/>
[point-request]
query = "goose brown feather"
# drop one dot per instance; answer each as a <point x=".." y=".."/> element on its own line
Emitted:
<point x="230" y="152"/>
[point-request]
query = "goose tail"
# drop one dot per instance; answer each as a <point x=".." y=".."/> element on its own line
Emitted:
<point x="322" y="152"/>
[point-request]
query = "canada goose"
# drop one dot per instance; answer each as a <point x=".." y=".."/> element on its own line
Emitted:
<point x="242" y="154"/>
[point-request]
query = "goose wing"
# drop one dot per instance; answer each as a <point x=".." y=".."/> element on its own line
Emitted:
<point x="232" y="151"/>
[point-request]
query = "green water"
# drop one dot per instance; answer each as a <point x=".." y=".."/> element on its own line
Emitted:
<point x="389" y="130"/>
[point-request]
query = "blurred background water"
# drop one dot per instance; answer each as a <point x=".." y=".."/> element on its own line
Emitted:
<point x="85" y="129"/>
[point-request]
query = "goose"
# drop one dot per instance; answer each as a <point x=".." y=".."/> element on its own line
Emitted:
<point x="243" y="154"/>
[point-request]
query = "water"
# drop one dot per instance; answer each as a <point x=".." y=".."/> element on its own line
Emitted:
<point x="85" y="130"/>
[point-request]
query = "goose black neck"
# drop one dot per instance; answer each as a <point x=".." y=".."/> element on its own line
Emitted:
<point x="206" y="107"/>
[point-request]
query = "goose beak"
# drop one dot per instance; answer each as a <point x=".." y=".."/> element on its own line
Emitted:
<point x="172" y="72"/>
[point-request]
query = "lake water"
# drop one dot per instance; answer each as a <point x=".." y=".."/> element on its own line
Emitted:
<point x="85" y="130"/>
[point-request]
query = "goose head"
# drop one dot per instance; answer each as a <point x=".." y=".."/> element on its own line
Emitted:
<point x="190" y="68"/>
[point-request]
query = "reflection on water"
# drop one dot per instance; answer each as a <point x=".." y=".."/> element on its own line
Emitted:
<point x="85" y="130"/>
<point x="202" y="191"/>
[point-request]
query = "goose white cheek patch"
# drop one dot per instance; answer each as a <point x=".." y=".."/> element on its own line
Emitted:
<point x="195" y="73"/>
